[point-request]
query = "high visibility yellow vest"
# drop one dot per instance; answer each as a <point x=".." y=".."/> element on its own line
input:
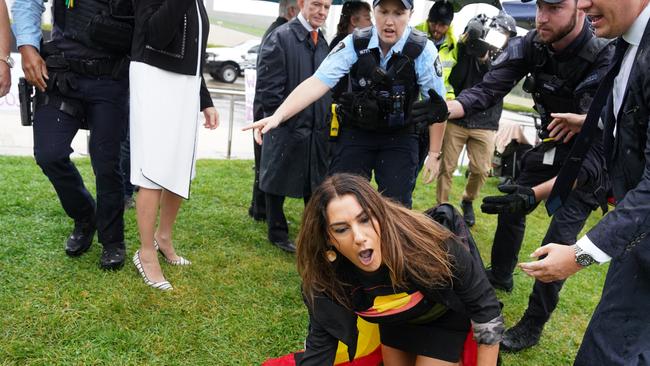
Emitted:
<point x="448" y="53"/>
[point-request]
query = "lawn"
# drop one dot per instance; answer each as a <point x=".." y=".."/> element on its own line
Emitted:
<point x="238" y="304"/>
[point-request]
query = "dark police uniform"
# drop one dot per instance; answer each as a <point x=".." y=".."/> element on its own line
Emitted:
<point x="376" y="133"/>
<point x="87" y="88"/>
<point x="559" y="82"/>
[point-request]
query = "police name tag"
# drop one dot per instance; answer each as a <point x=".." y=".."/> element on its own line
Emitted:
<point x="549" y="157"/>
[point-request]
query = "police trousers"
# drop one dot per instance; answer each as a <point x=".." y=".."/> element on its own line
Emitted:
<point x="564" y="228"/>
<point x="105" y="102"/>
<point x="391" y="156"/>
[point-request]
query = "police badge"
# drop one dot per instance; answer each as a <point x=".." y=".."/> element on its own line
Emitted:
<point x="438" y="66"/>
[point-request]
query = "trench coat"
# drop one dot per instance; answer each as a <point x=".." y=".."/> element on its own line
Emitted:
<point x="294" y="155"/>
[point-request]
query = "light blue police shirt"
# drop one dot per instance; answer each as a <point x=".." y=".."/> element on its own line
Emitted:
<point x="339" y="62"/>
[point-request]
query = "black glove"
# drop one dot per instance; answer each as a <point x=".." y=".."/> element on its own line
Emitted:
<point x="519" y="199"/>
<point x="429" y="111"/>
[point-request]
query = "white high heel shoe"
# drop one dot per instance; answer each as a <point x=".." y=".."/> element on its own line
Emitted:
<point x="176" y="262"/>
<point x="163" y="285"/>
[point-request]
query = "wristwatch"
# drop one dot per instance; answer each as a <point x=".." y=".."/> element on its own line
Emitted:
<point x="8" y="60"/>
<point x="583" y="258"/>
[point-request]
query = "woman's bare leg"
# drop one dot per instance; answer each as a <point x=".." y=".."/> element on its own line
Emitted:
<point x="146" y="208"/>
<point x="170" y="203"/>
<point x="428" y="361"/>
<point x="395" y="357"/>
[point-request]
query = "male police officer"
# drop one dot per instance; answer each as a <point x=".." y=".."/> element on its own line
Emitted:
<point x="565" y="62"/>
<point x="81" y="77"/>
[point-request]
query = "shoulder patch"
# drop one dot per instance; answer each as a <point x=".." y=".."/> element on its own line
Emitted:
<point x="339" y="46"/>
<point x="438" y="66"/>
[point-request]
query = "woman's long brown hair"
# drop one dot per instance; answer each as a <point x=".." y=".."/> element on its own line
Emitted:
<point x="411" y="242"/>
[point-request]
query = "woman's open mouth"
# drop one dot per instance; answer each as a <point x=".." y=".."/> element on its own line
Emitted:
<point x="365" y="256"/>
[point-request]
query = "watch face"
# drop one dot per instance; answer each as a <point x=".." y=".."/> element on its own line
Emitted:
<point x="585" y="259"/>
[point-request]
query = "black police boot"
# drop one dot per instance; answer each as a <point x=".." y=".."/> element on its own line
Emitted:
<point x="468" y="212"/>
<point x="524" y="334"/>
<point x="81" y="238"/>
<point x="499" y="282"/>
<point x="113" y="256"/>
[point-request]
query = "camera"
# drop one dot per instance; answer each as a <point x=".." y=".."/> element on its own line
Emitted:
<point x="485" y="35"/>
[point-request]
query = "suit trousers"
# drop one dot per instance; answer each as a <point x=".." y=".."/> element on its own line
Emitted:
<point x="105" y="102"/>
<point x="257" y="208"/>
<point x="619" y="331"/>
<point x="480" y="147"/>
<point x="278" y="228"/>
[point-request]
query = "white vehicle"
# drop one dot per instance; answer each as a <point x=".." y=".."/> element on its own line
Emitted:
<point x="227" y="63"/>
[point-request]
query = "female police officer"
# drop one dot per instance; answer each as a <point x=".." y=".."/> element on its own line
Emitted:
<point x="389" y="65"/>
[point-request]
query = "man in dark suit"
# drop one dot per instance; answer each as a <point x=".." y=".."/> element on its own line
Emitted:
<point x="293" y="160"/>
<point x="619" y="330"/>
<point x="287" y="10"/>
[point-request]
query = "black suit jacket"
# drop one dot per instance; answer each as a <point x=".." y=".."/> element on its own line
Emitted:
<point x="628" y="160"/>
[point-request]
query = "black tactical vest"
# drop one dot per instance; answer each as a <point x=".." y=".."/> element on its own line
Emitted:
<point x="382" y="99"/>
<point x="555" y="85"/>
<point x="105" y="25"/>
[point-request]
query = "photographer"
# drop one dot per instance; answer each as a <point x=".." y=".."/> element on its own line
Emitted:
<point x="81" y="77"/>
<point x="476" y="131"/>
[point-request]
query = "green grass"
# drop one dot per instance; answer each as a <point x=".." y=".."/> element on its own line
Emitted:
<point x="245" y="28"/>
<point x="518" y="108"/>
<point x="238" y="304"/>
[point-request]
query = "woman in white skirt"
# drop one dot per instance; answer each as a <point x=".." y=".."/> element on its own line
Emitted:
<point x="167" y="92"/>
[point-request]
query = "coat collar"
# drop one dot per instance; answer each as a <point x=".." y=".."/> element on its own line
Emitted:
<point x="301" y="32"/>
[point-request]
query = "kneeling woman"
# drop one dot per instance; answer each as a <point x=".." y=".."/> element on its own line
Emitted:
<point x="360" y="254"/>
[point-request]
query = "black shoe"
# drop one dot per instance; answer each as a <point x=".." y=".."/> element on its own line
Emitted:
<point x="256" y="216"/>
<point x="80" y="239"/>
<point x="468" y="212"/>
<point x="113" y="256"/>
<point x="286" y="245"/>
<point x="524" y="334"/>
<point x="499" y="284"/>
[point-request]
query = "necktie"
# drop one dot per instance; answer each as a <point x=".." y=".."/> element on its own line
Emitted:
<point x="569" y="171"/>
<point x="314" y="37"/>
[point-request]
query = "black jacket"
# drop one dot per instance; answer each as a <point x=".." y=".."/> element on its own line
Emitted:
<point x="294" y="155"/>
<point x="468" y="72"/>
<point x="258" y="112"/>
<point x="166" y="36"/>
<point x="517" y="61"/>
<point x="628" y="160"/>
